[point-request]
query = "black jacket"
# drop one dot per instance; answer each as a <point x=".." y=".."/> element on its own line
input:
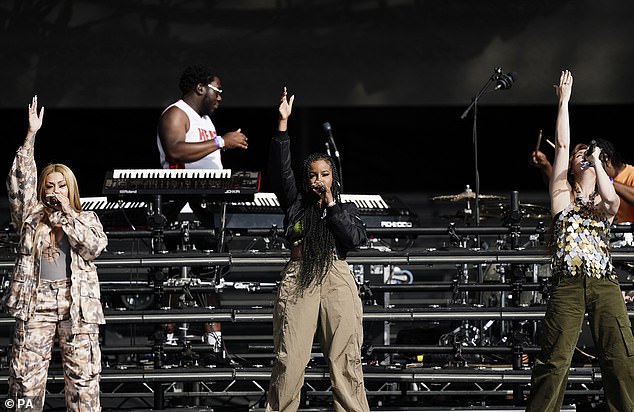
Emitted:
<point x="343" y="218"/>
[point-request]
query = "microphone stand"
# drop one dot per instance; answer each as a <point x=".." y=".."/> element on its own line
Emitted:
<point x="334" y="147"/>
<point x="330" y="142"/>
<point x="474" y="105"/>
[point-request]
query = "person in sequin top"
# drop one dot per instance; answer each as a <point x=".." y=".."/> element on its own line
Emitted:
<point x="581" y="238"/>
<point x="583" y="203"/>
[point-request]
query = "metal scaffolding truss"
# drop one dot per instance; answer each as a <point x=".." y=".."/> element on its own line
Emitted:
<point x="391" y="377"/>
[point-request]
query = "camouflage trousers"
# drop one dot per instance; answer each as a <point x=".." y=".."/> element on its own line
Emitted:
<point x="31" y="354"/>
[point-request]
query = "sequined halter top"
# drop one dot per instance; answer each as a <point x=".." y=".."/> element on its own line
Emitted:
<point x="581" y="241"/>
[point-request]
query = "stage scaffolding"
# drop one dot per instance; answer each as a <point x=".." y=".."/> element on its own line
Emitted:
<point x="447" y="327"/>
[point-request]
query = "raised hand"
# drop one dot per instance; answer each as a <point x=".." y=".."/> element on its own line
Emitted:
<point x="35" y="119"/>
<point x="564" y="90"/>
<point x="286" y="105"/>
<point x="538" y="159"/>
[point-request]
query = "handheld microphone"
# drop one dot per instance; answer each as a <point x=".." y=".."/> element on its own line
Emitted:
<point x="586" y="162"/>
<point x="505" y="81"/>
<point x="322" y="190"/>
<point x="51" y="199"/>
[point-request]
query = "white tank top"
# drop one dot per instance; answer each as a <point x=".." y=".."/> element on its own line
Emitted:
<point x="200" y="129"/>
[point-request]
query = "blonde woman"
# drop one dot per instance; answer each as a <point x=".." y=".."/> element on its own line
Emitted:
<point x="54" y="289"/>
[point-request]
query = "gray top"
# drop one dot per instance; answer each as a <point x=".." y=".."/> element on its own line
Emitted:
<point x="60" y="267"/>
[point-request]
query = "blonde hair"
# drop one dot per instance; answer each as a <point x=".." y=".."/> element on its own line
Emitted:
<point x="71" y="183"/>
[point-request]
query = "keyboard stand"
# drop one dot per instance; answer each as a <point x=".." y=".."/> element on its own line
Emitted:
<point x="156" y="223"/>
<point x="221" y="240"/>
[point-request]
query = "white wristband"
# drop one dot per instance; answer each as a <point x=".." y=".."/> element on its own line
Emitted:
<point x="331" y="204"/>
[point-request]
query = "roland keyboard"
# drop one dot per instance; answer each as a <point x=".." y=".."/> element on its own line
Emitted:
<point x="264" y="211"/>
<point x="215" y="184"/>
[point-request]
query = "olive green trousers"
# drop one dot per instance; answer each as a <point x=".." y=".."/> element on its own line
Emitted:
<point x="571" y="298"/>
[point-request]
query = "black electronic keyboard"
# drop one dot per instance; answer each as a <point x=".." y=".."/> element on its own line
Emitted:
<point x="101" y="203"/>
<point x="265" y="211"/>
<point x="262" y="211"/>
<point x="213" y="184"/>
<point x="117" y="214"/>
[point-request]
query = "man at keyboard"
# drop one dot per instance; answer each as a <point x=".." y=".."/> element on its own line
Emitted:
<point x="187" y="138"/>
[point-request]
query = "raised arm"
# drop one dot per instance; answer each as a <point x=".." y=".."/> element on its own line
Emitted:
<point x="540" y="161"/>
<point x="22" y="179"/>
<point x="609" y="197"/>
<point x="280" y="172"/>
<point x="559" y="186"/>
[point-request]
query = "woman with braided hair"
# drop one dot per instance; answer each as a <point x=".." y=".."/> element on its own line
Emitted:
<point x="317" y="286"/>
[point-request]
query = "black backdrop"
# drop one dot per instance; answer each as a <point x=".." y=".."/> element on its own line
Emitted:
<point x="391" y="76"/>
<point x="331" y="53"/>
<point x="383" y="149"/>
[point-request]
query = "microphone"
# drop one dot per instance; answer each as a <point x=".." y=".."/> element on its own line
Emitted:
<point x="322" y="190"/>
<point x="515" y="215"/>
<point x="515" y="201"/>
<point x="585" y="162"/>
<point x="51" y="199"/>
<point x="505" y="81"/>
<point x="328" y="130"/>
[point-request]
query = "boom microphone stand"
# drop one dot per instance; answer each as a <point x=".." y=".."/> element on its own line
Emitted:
<point x="503" y="82"/>
<point x="497" y="72"/>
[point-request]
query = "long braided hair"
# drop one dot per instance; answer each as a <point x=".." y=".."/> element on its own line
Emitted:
<point x="318" y="242"/>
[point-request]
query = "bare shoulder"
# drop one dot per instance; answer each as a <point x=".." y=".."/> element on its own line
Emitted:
<point x="173" y="120"/>
<point x="172" y="114"/>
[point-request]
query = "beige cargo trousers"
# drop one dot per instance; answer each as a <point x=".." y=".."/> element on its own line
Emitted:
<point x="335" y="305"/>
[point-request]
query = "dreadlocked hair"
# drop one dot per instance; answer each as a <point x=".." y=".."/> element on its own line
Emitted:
<point x="608" y="152"/>
<point x="318" y="243"/>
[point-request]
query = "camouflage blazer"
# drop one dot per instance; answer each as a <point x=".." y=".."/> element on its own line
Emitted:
<point x="85" y="235"/>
